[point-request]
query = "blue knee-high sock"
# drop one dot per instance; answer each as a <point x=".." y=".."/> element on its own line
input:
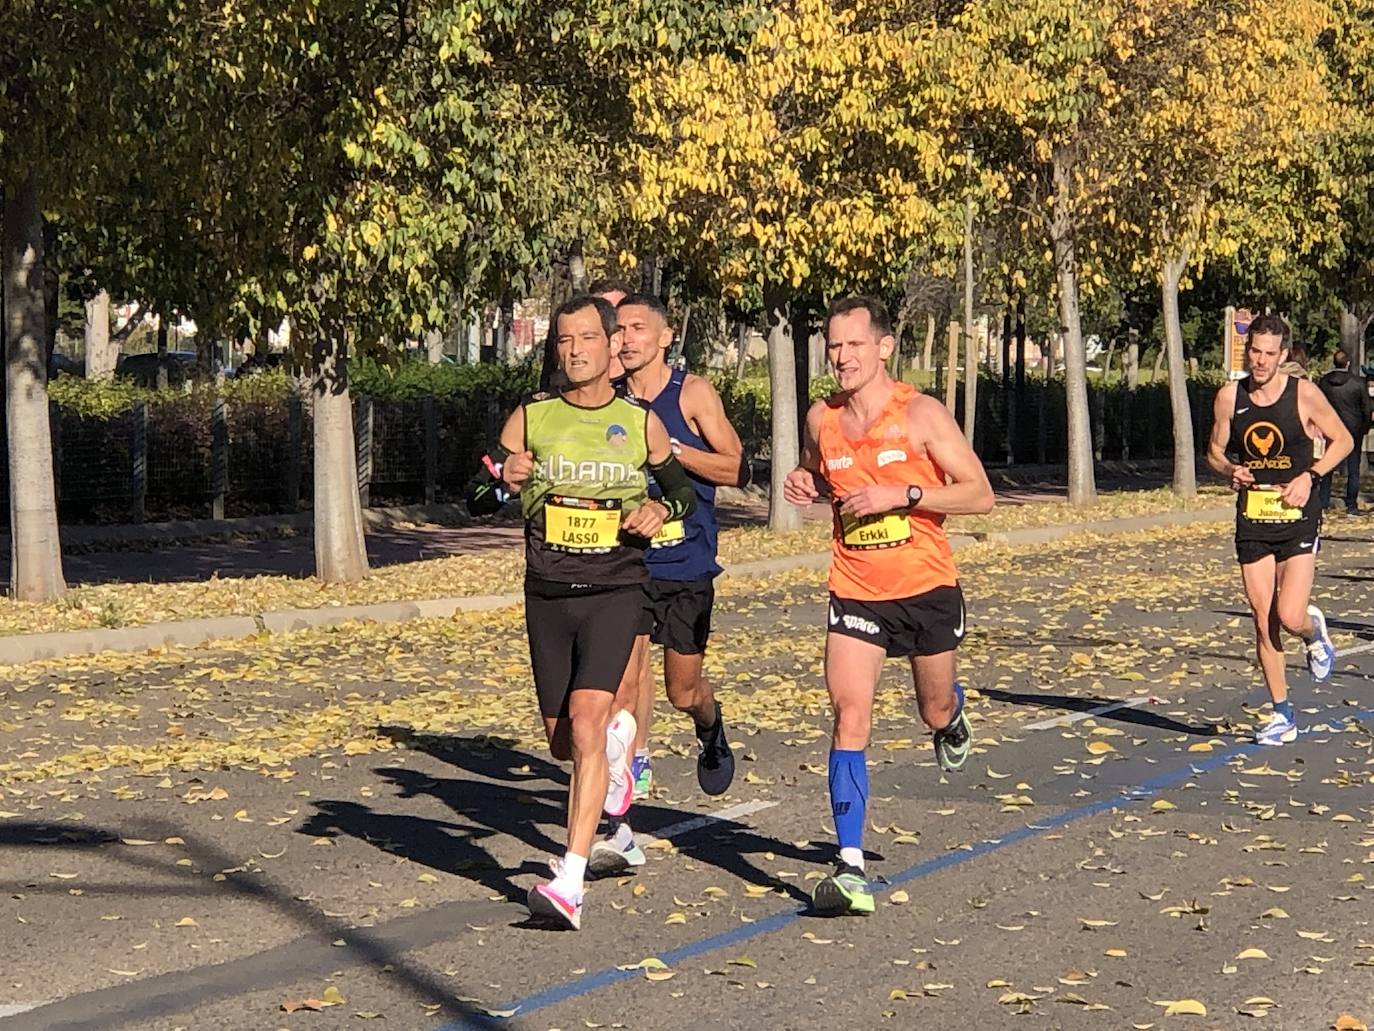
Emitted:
<point x="848" y="795"/>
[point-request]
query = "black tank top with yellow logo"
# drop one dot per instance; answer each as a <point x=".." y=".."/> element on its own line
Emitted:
<point x="1271" y="441"/>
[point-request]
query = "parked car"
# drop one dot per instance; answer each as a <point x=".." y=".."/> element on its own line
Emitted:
<point x="142" y="368"/>
<point x="260" y="361"/>
<point x="65" y="365"/>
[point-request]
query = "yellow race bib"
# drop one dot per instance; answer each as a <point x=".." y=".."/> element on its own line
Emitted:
<point x="581" y="524"/>
<point x="887" y="530"/>
<point x="672" y="532"/>
<point x="1267" y="506"/>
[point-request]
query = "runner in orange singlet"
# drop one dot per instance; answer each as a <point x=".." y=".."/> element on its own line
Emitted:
<point x="895" y="463"/>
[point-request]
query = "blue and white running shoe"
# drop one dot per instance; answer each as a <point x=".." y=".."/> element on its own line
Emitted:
<point x="1321" y="653"/>
<point x="1280" y="730"/>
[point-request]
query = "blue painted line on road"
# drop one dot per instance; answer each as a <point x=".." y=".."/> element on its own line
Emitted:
<point x="613" y="975"/>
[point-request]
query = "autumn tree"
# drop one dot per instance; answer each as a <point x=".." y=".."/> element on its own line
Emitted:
<point x="815" y="159"/>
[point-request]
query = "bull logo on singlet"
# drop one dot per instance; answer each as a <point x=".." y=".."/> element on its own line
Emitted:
<point x="1264" y="447"/>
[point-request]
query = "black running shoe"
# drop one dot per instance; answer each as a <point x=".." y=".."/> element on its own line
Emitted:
<point x="716" y="761"/>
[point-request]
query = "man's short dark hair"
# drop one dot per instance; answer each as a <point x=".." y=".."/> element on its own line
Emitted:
<point x="877" y="311"/>
<point x="578" y="302"/>
<point x="646" y="301"/>
<point x="1270" y="326"/>
<point x="1340" y="359"/>
<point x="610" y="285"/>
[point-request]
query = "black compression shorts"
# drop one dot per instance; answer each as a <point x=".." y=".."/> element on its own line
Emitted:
<point x="579" y="639"/>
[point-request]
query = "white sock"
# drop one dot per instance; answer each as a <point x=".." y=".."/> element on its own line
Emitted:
<point x="853" y="856"/>
<point x="623" y="837"/>
<point x="569" y="882"/>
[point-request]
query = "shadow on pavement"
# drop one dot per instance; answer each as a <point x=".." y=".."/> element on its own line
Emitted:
<point x="138" y="1002"/>
<point x="1083" y="703"/>
<point x="503" y="796"/>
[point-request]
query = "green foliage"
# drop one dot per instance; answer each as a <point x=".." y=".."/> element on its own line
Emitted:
<point x="399" y="381"/>
<point x="408" y="381"/>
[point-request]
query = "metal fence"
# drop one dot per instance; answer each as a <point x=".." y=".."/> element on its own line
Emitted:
<point x="193" y="457"/>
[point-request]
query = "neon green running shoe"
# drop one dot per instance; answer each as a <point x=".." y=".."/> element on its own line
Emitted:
<point x="844" y="891"/>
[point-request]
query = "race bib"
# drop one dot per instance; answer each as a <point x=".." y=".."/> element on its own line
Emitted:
<point x="887" y="530"/>
<point x="1267" y="506"/>
<point x="581" y="524"/>
<point x="670" y="533"/>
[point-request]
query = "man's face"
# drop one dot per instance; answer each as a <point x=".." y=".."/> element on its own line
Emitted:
<point x="1265" y="353"/>
<point x="856" y="349"/>
<point x="584" y="350"/>
<point x="646" y="336"/>
<point x="613" y="296"/>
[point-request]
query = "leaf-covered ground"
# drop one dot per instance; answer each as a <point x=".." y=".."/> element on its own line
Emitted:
<point x="345" y="817"/>
<point x="494" y="570"/>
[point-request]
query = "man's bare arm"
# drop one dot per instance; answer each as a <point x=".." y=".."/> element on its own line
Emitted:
<point x="724" y="463"/>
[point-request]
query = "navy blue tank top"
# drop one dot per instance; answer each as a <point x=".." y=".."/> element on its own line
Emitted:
<point x="684" y="549"/>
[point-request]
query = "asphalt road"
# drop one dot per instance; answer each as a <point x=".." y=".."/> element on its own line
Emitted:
<point x="210" y="838"/>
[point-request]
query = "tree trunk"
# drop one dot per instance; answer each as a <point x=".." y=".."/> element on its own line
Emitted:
<point x="434" y="347"/>
<point x="898" y="331"/>
<point x="1082" y="481"/>
<point x="782" y="380"/>
<point x="102" y="355"/>
<point x="1020" y="345"/>
<point x="928" y="354"/>
<point x="162" y="350"/>
<point x="52" y="293"/>
<point x="340" y="548"/>
<point x="505" y="330"/>
<point x="577" y="268"/>
<point x="801" y="360"/>
<point x="1131" y="359"/>
<point x="951" y="367"/>
<point x="1107" y="362"/>
<point x="1160" y="355"/>
<point x="1185" y="468"/>
<point x="687" y="357"/>
<point x="35" y="549"/>
<point x="741" y="350"/>
<point x="1351" y="337"/>
<point x="970" y="337"/>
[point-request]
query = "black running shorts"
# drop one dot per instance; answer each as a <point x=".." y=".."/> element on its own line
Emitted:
<point x="927" y="624"/>
<point x="579" y="638"/>
<point x="677" y="613"/>
<point x="1248" y="551"/>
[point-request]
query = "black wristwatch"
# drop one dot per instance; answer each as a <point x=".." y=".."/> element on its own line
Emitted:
<point x="913" y="496"/>
<point x="1316" y="477"/>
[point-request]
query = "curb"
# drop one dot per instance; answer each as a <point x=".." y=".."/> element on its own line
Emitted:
<point x="16" y="650"/>
<point x="184" y="531"/>
<point x="1131" y="524"/>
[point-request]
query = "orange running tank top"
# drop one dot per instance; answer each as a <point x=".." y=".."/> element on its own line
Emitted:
<point x="895" y="554"/>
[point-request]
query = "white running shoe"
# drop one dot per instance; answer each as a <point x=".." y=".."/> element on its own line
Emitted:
<point x="620" y="737"/>
<point x="608" y="859"/>
<point x="547" y="903"/>
<point x="1321" y="653"/>
<point x="1280" y="730"/>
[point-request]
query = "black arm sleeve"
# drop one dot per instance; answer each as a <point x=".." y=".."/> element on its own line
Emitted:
<point x="679" y="496"/>
<point x="485" y="493"/>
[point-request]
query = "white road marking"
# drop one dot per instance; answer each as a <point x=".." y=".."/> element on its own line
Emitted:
<point x="677" y="830"/>
<point x="1074" y="717"/>
<point x="1131" y="703"/>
